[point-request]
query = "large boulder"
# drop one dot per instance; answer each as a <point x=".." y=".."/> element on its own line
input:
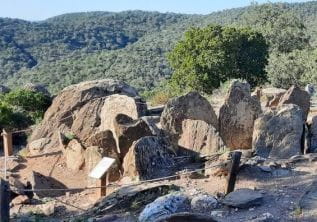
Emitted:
<point x="99" y="145"/>
<point x="93" y="155"/>
<point x="190" y="106"/>
<point x="149" y="158"/>
<point x="297" y="96"/>
<point x="36" y="147"/>
<point x="164" y="206"/>
<point x="270" y="97"/>
<point x="200" y="137"/>
<point x="237" y="116"/>
<point x="76" y="109"/>
<point x="134" y="107"/>
<point x="74" y="155"/>
<point x="278" y="133"/>
<point x="313" y="135"/>
<point x="128" y="130"/>
<point x="243" y="198"/>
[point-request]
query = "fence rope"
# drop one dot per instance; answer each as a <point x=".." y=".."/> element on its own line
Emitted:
<point x="122" y="185"/>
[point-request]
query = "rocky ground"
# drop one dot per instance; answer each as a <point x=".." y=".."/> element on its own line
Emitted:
<point x="276" y="182"/>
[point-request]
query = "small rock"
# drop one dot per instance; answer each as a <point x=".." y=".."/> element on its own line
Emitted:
<point x="218" y="213"/>
<point x="21" y="199"/>
<point x="48" y="208"/>
<point x="243" y="198"/>
<point x="266" y="217"/>
<point x="203" y="203"/>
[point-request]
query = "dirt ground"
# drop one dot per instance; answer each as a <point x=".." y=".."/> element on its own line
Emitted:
<point x="281" y="191"/>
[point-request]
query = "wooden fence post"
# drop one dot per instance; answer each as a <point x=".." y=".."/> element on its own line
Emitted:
<point x="4" y="201"/>
<point x="233" y="171"/>
<point x="7" y="143"/>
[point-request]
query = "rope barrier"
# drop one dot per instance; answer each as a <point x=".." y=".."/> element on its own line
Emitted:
<point x="122" y="185"/>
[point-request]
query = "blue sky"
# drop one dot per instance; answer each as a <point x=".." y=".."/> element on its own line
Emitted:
<point x="42" y="9"/>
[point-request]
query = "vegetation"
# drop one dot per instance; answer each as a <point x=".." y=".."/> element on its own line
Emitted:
<point x="21" y="108"/>
<point x="131" y="46"/>
<point x="206" y="57"/>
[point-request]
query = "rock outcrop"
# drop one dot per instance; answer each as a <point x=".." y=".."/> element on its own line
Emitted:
<point x="36" y="146"/>
<point x="313" y="135"/>
<point x="190" y="106"/>
<point x="200" y="137"/>
<point x="297" y="96"/>
<point x="93" y="155"/>
<point x="127" y="131"/>
<point x="134" y="107"/>
<point x="76" y="110"/>
<point x="278" y="133"/>
<point x="237" y="116"/>
<point x="270" y="97"/>
<point x="75" y="155"/>
<point x="149" y="158"/>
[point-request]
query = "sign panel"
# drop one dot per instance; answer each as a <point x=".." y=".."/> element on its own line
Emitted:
<point x="101" y="168"/>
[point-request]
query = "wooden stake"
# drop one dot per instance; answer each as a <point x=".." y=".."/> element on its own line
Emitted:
<point x="4" y="201"/>
<point x="7" y="143"/>
<point x="102" y="183"/>
<point x="233" y="171"/>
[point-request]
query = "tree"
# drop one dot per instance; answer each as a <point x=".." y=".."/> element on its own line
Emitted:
<point x="206" y="57"/>
<point x="298" y="67"/>
<point x="282" y="28"/>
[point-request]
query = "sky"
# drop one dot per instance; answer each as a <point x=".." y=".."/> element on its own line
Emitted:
<point x="35" y="10"/>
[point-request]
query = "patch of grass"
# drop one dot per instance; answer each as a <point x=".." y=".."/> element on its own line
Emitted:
<point x="24" y="152"/>
<point x="298" y="211"/>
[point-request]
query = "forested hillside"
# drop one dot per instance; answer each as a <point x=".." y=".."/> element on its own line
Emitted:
<point x="129" y="45"/>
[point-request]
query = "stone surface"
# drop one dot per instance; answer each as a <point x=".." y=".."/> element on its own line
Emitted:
<point x="278" y="134"/>
<point x="200" y="137"/>
<point x="186" y="217"/>
<point x="308" y="201"/>
<point x="106" y="141"/>
<point x="39" y="181"/>
<point x="118" y="218"/>
<point x="47" y="209"/>
<point x="21" y="199"/>
<point x="190" y="106"/>
<point x="243" y="198"/>
<point x="270" y="97"/>
<point x="148" y="158"/>
<point x="237" y="116"/>
<point x="36" y="147"/>
<point x="313" y="135"/>
<point x="133" y="107"/>
<point x="75" y="155"/>
<point x="128" y="130"/>
<point x="93" y="155"/>
<point x="203" y="203"/>
<point x="297" y="96"/>
<point x="76" y="110"/>
<point x="164" y="206"/>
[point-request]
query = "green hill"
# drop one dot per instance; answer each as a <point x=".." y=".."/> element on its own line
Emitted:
<point x="129" y="45"/>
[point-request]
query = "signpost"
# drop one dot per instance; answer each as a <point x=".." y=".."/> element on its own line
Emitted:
<point x="100" y="173"/>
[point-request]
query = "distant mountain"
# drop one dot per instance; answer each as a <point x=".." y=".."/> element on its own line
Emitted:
<point x="129" y="45"/>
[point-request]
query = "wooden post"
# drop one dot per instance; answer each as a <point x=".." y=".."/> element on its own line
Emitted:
<point x="102" y="183"/>
<point x="7" y="143"/>
<point x="233" y="171"/>
<point x="4" y="201"/>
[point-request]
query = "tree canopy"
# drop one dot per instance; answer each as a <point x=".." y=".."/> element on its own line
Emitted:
<point x="206" y="57"/>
